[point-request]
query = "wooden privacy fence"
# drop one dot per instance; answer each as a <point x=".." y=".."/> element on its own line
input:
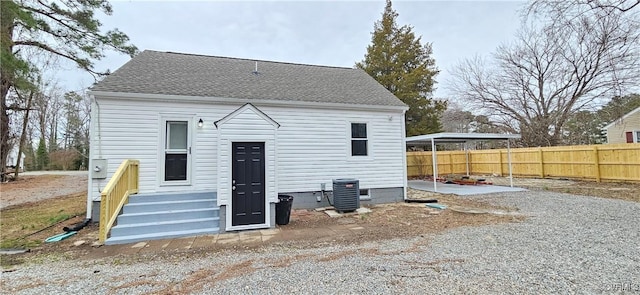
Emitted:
<point x="606" y="162"/>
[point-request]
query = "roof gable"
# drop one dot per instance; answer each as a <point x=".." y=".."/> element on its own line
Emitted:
<point x="627" y="115"/>
<point x="241" y="110"/>
<point x="166" y="73"/>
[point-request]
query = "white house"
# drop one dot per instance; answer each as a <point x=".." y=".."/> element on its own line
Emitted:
<point x="242" y="132"/>
<point x="12" y="159"/>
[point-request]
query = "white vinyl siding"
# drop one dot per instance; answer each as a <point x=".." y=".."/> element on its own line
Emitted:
<point x="312" y="146"/>
<point x="130" y="129"/>
<point x="617" y="131"/>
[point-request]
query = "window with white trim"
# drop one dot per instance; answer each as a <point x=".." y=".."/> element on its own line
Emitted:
<point x="176" y="151"/>
<point x="359" y="141"/>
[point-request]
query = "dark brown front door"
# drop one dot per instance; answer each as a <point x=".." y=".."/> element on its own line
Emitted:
<point x="248" y="183"/>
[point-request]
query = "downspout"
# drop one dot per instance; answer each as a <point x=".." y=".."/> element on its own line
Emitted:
<point x="99" y="133"/>
<point x="95" y="120"/>
<point x="434" y="161"/>
<point x="404" y="155"/>
<point x="509" y="158"/>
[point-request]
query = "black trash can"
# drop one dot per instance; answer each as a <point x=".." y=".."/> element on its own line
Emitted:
<point x="283" y="209"/>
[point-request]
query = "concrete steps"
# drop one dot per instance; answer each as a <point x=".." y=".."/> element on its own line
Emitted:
<point x="161" y="216"/>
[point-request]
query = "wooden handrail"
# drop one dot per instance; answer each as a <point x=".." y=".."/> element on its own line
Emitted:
<point x="123" y="183"/>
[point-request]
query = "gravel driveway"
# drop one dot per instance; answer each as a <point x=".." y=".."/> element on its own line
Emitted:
<point x="569" y="245"/>
<point x="34" y="186"/>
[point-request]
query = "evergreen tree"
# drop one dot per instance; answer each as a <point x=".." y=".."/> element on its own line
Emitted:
<point x="42" y="156"/>
<point x="399" y="61"/>
<point x="618" y="106"/>
<point x="30" y="162"/>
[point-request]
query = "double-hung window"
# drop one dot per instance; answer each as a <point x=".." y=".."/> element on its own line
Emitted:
<point x="359" y="141"/>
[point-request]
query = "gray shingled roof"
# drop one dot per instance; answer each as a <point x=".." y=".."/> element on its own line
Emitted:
<point x="153" y="72"/>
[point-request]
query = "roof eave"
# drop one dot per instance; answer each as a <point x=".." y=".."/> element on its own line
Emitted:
<point x="446" y="137"/>
<point x="228" y="100"/>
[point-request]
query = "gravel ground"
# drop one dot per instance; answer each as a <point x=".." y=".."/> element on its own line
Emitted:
<point x="569" y="245"/>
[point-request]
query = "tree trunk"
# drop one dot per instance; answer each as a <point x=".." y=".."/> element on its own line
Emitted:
<point x="4" y="128"/>
<point x="23" y="135"/>
<point x="6" y="21"/>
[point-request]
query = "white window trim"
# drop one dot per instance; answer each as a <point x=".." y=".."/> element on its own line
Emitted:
<point x="349" y="139"/>
<point x="365" y="197"/>
<point x="189" y="118"/>
<point x="636" y="138"/>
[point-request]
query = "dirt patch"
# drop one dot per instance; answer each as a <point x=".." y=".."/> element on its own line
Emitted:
<point x="627" y="191"/>
<point x="610" y="190"/>
<point x="388" y="221"/>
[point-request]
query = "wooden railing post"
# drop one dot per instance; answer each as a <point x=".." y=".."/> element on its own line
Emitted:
<point x="596" y="162"/>
<point x="103" y="217"/>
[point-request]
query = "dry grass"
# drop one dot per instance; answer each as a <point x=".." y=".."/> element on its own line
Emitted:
<point x="18" y="222"/>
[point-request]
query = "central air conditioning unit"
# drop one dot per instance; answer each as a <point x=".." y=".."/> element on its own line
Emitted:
<point x="346" y="194"/>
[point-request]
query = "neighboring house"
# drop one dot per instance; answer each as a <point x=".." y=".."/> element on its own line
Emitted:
<point x="189" y="119"/>
<point x="625" y="129"/>
<point x="12" y="159"/>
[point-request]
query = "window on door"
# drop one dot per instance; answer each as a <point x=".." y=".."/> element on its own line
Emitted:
<point x="359" y="139"/>
<point x="176" y="151"/>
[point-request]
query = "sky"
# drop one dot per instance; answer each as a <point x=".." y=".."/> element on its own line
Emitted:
<point x="332" y="33"/>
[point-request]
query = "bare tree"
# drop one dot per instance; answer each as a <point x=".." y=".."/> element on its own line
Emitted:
<point x="576" y="8"/>
<point x="577" y="56"/>
<point x="77" y="109"/>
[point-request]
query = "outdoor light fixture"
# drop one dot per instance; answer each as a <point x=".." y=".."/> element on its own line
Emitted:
<point x="200" y="123"/>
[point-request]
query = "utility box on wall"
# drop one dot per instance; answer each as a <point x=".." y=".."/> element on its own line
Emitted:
<point x="99" y="168"/>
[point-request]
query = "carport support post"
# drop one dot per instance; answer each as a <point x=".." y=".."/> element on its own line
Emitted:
<point x="509" y="159"/>
<point x="434" y="161"/>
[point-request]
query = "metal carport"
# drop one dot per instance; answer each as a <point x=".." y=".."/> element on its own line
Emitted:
<point x="433" y="139"/>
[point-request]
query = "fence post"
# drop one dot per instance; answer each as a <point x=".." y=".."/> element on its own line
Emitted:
<point x="450" y="163"/>
<point x="500" y="160"/>
<point x="541" y="162"/>
<point x="596" y="162"/>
